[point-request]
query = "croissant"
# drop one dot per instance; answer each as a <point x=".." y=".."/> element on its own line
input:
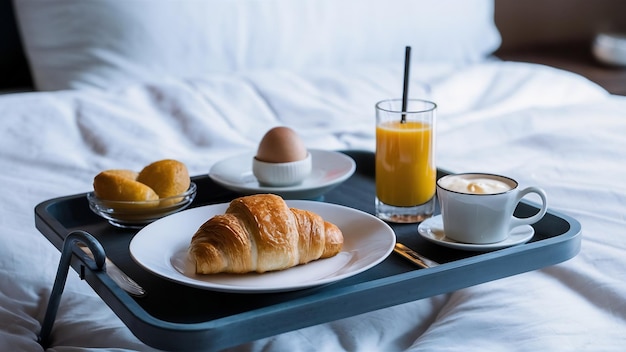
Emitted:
<point x="261" y="233"/>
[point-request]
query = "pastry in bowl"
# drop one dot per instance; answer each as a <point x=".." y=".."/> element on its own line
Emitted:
<point x="121" y="185"/>
<point x="166" y="177"/>
<point x="132" y="199"/>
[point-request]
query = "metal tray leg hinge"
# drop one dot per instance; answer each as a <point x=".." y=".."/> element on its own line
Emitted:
<point x="69" y="247"/>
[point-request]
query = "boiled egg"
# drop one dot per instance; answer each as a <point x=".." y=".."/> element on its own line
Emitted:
<point x="281" y="145"/>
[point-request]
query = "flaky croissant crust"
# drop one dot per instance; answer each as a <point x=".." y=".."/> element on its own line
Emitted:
<point x="261" y="233"/>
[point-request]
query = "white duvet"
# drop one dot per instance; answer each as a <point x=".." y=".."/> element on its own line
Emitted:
<point x="542" y="126"/>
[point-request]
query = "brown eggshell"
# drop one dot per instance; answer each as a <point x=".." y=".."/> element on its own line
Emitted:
<point x="281" y="145"/>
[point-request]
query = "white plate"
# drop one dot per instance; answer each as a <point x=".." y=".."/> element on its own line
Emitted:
<point x="432" y="230"/>
<point x="161" y="248"/>
<point x="329" y="170"/>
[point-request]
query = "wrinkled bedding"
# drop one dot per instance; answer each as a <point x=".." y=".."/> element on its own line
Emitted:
<point x="542" y="126"/>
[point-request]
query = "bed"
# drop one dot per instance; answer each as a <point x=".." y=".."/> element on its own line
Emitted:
<point x="121" y="84"/>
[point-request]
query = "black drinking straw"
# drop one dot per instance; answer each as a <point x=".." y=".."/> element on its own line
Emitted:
<point x="405" y="88"/>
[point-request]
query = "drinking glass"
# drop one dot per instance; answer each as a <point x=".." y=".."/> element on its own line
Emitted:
<point x="405" y="160"/>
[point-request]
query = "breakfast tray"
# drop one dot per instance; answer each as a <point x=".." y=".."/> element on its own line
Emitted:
<point x="174" y="316"/>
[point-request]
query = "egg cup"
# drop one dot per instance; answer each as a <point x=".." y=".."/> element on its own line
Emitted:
<point x="282" y="174"/>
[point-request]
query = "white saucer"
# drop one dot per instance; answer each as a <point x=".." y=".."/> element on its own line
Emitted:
<point x="329" y="170"/>
<point x="432" y="230"/>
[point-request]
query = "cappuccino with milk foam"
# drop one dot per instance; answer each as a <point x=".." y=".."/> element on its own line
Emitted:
<point x="478" y="207"/>
<point x="477" y="184"/>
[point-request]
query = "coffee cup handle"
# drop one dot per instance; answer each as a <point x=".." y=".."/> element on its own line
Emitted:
<point x="531" y="219"/>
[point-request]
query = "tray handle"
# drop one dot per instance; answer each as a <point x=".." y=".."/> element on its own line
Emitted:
<point x="69" y="248"/>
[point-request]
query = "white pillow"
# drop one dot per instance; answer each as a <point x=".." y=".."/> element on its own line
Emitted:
<point x="105" y="43"/>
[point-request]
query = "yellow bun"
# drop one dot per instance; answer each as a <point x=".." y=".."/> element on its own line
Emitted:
<point x="120" y="185"/>
<point x="129" y="174"/>
<point x="166" y="177"/>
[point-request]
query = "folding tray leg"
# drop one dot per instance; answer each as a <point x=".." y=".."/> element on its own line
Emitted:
<point x="96" y="264"/>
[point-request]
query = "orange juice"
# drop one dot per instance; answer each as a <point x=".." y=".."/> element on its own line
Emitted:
<point x="405" y="169"/>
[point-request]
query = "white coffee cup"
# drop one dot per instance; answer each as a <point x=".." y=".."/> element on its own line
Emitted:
<point x="478" y="208"/>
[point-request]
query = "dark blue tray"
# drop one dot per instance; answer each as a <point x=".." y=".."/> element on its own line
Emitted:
<point x="178" y="317"/>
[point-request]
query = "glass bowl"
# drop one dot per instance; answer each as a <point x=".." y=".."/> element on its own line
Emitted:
<point x="131" y="214"/>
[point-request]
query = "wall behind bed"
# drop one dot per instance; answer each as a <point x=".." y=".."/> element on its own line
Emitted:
<point x="532" y="23"/>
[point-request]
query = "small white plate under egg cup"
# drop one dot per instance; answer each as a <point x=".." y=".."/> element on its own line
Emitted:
<point x="329" y="169"/>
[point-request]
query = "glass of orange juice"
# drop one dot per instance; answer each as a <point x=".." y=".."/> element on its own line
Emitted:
<point x="405" y="160"/>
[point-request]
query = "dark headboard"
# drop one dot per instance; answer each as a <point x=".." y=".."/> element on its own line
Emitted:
<point x="530" y="23"/>
<point x="14" y="70"/>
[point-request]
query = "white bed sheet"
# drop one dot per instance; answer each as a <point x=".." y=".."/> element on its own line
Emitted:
<point x="540" y="125"/>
